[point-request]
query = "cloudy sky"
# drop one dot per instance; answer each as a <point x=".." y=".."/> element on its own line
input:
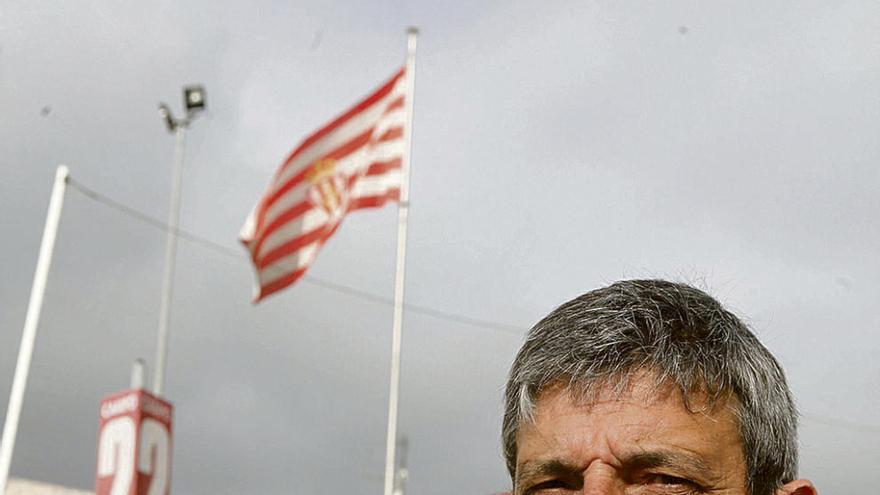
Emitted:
<point x="558" y="146"/>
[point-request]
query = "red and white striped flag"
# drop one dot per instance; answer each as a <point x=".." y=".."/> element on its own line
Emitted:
<point x="351" y="163"/>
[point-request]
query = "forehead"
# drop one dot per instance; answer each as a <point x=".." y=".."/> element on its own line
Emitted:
<point x="616" y="425"/>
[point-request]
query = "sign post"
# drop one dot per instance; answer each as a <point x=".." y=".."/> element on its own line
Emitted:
<point x="134" y="445"/>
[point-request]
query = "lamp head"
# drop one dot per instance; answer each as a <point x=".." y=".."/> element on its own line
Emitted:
<point x="194" y="98"/>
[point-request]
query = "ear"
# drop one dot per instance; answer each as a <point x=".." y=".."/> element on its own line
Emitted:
<point x="798" y="487"/>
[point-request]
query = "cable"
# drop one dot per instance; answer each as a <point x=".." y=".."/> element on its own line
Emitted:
<point x="436" y="313"/>
<point x="848" y="425"/>
<point x="369" y="296"/>
<point x="326" y="284"/>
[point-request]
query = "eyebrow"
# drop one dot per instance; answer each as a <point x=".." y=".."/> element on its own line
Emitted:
<point x="536" y="469"/>
<point x="532" y="470"/>
<point x="690" y="464"/>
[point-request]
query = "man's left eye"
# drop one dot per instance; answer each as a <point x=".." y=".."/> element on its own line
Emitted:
<point x="668" y="480"/>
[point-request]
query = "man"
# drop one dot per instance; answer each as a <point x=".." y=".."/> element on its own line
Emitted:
<point x="648" y="387"/>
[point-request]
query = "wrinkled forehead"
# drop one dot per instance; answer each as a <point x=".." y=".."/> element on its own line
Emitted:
<point x="643" y="385"/>
<point x="613" y="424"/>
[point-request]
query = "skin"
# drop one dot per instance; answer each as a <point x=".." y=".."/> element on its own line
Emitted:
<point x="640" y="442"/>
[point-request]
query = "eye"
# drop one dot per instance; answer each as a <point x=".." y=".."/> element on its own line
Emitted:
<point x="549" y="486"/>
<point x="668" y="480"/>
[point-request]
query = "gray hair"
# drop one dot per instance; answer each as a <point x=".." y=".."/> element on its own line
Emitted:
<point x="683" y="337"/>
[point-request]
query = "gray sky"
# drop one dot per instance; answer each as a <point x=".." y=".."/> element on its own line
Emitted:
<point x="557" y="147"/>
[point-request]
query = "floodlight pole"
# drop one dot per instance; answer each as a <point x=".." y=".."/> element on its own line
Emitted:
<point x="178" y="127"/>
<point x="170" y="259"/>
<point x="32" y="319"/>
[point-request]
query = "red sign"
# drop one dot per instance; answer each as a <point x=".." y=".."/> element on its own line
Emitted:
<point x="134" y="445"/>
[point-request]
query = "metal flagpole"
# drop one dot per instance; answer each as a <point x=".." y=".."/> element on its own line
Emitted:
<point x="403" y="212"/>
<point x="32" y="318"/>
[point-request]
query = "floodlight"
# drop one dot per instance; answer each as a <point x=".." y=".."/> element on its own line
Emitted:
<point x="194" y="98"/>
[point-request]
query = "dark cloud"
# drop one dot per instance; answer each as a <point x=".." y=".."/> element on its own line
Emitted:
<point x="557" y="148"/>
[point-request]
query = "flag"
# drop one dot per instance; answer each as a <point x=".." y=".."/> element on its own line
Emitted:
<point x="353" y="162"/>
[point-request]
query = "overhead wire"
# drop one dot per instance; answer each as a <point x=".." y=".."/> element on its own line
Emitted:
<point x="369" y="296"/>
<point x="310" y="279"/>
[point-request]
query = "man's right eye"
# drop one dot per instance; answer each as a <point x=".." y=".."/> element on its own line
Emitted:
<point x="677" y="483"/>
<point x="547" y="487"/>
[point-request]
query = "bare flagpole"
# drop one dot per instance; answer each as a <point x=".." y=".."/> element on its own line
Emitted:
<point x="32" y="319"/>
<point x="403" y="213"/>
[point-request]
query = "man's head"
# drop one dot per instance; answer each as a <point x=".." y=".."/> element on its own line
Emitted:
<point x="652" y="385"/>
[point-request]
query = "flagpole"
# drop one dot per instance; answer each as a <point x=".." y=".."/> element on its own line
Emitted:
<point x="402" y="216"/>
<point x="32" y="319"/>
